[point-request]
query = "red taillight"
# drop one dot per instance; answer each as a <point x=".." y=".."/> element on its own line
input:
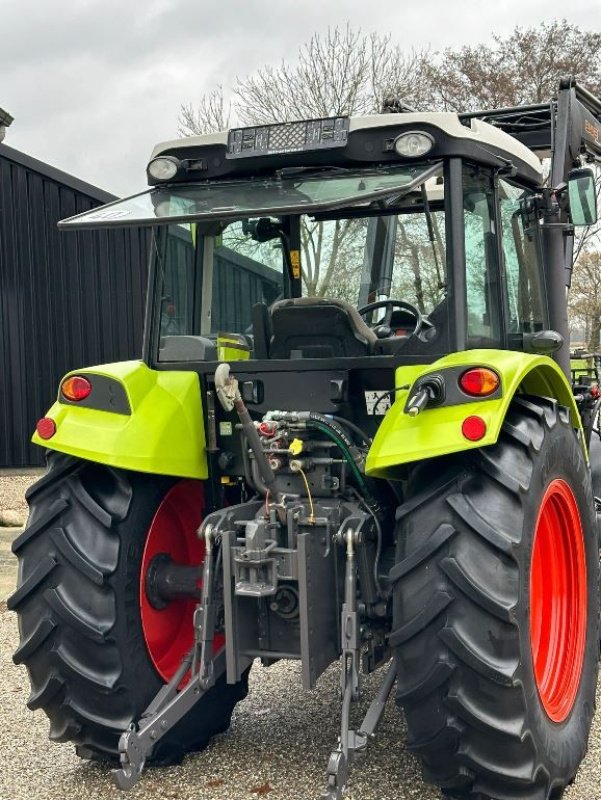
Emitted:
<point x="46" y="428"/>
<point x="76" y="388"/>
<point x="473" y="428"/>
<point x="479" y="382"/>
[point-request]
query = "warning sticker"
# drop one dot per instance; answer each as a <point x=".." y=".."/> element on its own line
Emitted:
<point x="295" y="263"/>
<point x="377" y="403"/>
<point x="225" y="429"/>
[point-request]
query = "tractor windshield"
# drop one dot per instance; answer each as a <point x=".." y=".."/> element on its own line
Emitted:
<point x="345" y="238"/>
<point x="295" y="189"/>
<point x="211" y="278"/>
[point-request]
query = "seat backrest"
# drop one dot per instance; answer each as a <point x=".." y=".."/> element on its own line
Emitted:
<point x="318" y="327"/>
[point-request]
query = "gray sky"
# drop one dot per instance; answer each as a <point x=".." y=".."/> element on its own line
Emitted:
<point x="94" y="84"/>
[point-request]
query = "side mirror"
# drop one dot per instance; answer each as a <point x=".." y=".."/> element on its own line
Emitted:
<point x="544" y="343"/>
<point x="582" y="196"/>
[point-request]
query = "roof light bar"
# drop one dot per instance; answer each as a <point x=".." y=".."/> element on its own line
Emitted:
<point x="288" y="137"/>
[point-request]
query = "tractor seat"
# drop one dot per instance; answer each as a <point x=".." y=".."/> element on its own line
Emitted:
<point x="318" y="327"/>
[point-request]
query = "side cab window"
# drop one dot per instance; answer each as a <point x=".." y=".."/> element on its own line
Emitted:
<point x="521" y="250"/>
<point x="481" y="259"/>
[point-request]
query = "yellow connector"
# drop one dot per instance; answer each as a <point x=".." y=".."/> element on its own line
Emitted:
<point x="296" y="447"/>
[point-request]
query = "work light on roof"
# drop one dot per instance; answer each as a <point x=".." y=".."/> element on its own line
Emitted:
<point x="414" y="144"/>
<point x="163" y="168"/>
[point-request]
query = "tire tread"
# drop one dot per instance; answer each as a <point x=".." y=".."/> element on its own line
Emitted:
<point x="458" y="539"/>
<point x="76" y="554"/>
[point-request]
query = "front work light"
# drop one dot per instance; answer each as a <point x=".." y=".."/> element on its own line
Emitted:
<point x="414" y="144"/>
<point x="163" y="168"/>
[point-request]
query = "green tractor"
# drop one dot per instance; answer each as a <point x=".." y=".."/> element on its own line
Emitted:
<point x="392" y="472"/>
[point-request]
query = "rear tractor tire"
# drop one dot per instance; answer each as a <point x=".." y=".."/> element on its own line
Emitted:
<point x="96" y="650"/>
<point x="496" y="611"/>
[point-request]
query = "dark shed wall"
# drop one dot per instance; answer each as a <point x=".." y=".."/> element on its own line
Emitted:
<point x="67" y="299"/>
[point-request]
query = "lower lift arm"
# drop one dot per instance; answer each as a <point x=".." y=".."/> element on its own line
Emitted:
<point x="169" y="706"/>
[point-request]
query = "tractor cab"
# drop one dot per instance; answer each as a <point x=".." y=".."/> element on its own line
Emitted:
<point x="397" y="237"/>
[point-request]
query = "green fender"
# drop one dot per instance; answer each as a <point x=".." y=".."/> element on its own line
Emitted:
<point x="163" y="434"/>
<point x="401" y="439"/>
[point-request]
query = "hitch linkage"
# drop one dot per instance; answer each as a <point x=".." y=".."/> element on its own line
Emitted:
<point x="351" y="742"/>
<point x="169" y="706"/>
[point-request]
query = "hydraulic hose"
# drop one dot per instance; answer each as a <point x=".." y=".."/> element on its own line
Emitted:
<point x="351" y="425"/>
<point x="349" y="450"/>
<point x="340" y="432"/>
<point x="348" y="457"/>
<point x="229" y="397"/>
<point x="252" y="436"/>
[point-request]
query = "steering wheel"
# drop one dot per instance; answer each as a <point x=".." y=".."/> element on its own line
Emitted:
<point x="383" y="329"/>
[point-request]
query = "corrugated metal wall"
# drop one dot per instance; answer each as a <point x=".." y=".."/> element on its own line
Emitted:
<point x="239" y="282"/>
<point x="67" y="299"/>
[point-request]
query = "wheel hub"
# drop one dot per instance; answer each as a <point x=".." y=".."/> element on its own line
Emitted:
<point x="171" y="546"/>
<point x="167" y="581"/>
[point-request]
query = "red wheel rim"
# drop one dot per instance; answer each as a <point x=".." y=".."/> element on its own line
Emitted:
<point x="169" y="632"/>
<point x="558" y="601"/>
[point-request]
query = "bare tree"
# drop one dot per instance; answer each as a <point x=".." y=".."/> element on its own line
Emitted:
<point x="332" y="256"/>
<point x="212" y="113"/>
<point x="585" y="296"/>
<point x="524" y="67"/>
<point x="343" y="72"/>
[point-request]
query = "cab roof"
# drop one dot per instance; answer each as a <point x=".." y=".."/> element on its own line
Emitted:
<point x="351" y="141"/>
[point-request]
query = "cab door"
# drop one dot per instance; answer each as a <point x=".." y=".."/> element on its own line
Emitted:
<point x="525" y="309"/>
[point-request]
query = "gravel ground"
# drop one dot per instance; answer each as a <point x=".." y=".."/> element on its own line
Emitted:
<point x="277" y="746"/>
<point x="12" y="491"/>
